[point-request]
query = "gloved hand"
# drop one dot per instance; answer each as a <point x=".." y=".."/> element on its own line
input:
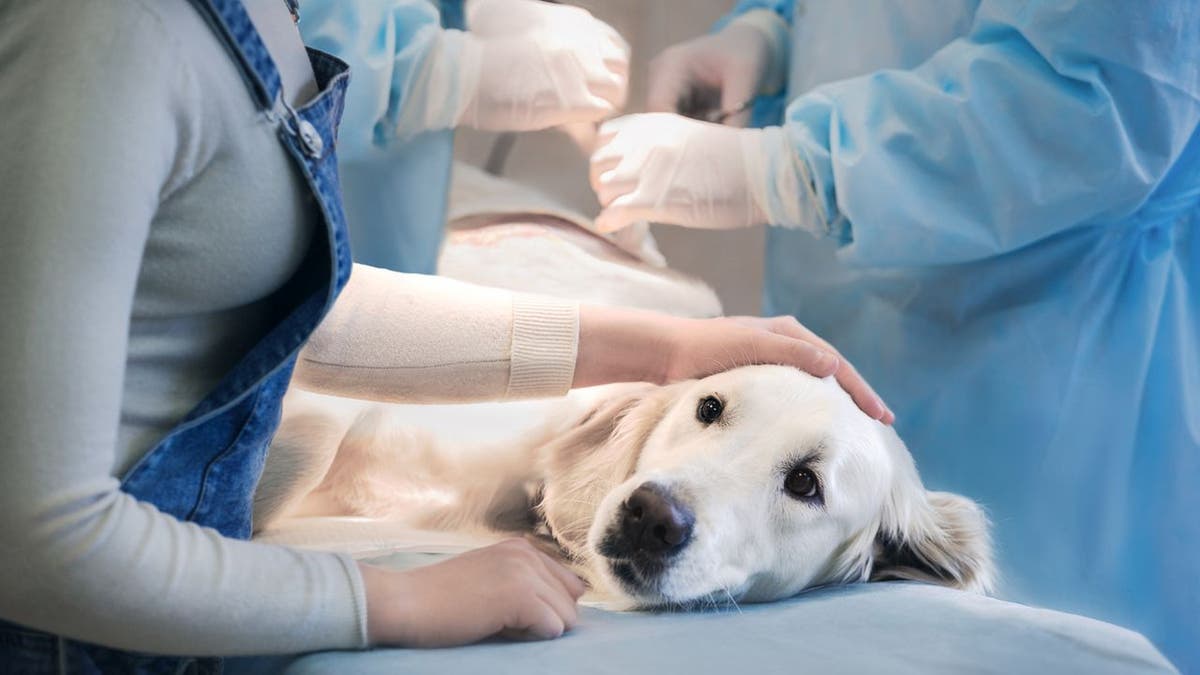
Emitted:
<point x="670" y="169"/>
<point x="531" y="65"/>
<point x="723" y="71"/>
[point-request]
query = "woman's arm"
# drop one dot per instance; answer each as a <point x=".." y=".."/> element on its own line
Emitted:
<point x="416" y="338"/>
<point x="93" y="97"/>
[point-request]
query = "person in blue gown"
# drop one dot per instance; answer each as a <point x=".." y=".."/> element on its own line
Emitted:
<point x="418" y="73"/>
<point x="991" y="208"/>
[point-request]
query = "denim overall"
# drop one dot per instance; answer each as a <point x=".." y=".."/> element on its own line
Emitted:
<point x="205" y="470"/>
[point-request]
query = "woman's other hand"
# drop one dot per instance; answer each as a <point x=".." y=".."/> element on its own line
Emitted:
<point x="509" y="590"/>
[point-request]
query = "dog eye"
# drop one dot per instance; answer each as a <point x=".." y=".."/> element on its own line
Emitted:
<point x="802" y="483"/>
<point x="710" y="409"/>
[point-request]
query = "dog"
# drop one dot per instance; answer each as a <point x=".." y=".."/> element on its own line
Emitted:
<point x="747" y="486"/>
<point x="506" y="235"/>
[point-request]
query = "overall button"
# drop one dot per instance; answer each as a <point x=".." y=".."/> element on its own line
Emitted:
<point x="311" y="139"/>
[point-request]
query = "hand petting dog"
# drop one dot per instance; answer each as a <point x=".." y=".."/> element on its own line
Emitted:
<point x="667" y="349"/>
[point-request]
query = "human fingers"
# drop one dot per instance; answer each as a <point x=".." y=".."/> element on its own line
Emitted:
<point x="847" y="375"/>
<point x="570" y="583"/>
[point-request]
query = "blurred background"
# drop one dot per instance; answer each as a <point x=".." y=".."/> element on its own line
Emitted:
<point x="731" y="262"/>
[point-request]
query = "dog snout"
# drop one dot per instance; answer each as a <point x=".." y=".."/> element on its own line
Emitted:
<point x="654" y="523"/>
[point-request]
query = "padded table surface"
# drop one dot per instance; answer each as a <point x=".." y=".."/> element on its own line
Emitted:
<point x="894" y="627"/>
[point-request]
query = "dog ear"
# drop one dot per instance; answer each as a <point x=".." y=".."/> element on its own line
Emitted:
<point x="935" y="537"/>
<point x="596" y="452"/>
<point x="617" y="424"/>
<point x="938" y="538"/>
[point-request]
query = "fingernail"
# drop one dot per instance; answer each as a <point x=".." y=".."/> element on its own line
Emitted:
<point x="827" y="361"/>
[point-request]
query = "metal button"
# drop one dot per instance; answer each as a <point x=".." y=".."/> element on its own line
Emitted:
<point x="311" y="139"/>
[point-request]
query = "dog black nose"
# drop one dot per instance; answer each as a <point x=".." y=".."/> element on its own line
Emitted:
<point x="654" y="523"/>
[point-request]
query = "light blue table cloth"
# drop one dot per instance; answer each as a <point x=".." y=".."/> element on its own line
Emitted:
<point x="894" y="627"/>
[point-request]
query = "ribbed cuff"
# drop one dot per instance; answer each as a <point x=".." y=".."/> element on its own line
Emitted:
<point x="358" y="590"/>
<point x="545" y="343"/>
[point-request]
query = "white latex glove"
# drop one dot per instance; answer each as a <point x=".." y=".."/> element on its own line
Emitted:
<point x="723" y="71"/>
<point x="532" y="65"/>
<point x="670" y="169"/>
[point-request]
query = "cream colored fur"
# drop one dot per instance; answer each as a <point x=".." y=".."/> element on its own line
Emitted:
<point x="569" y="478"/>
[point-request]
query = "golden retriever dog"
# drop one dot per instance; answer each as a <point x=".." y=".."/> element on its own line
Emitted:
<point x="750" y="485"/>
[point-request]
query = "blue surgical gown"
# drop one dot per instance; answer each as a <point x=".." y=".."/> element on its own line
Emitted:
<point x="395" y="178"/>
<point x="1010" y="192"/>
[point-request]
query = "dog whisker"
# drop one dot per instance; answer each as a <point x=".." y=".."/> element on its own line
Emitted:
<point x="731" y="600"/>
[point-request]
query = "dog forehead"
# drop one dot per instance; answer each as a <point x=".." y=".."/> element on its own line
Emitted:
<point x="787" y="406"/>
<point x="761" y="403"/>
<point x="775" y="391"/>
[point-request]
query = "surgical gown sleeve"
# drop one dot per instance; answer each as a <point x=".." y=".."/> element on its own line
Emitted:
<point x="404" y="68"/>
<point x="784" y="8"/>
<point x="1048" y="116"/>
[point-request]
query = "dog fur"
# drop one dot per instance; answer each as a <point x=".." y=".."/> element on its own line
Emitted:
<point x="571" y="481"/>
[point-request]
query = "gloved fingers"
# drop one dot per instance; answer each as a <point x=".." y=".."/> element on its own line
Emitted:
<point x="603" y="73"/>
<point x="614" y="36"/>
<point x="595" y="109"/>
<point x="737" y="95"/>
<point x="621" y="135"/>
<point x="610" y="129"/>
<point x="669" y="79"/>
<point x="612" y="188"/>
<point x="632" y="149"/>
<point x="625" y="211"/>
<point x="616" y="170"/>
<point x="608" y="152"/>
<point x="639" y="242"/>
<point x="613" y="84"/>
<point x="600" y="175"/>
<point x="614" y="48"/>
<point x="610" y="90"/>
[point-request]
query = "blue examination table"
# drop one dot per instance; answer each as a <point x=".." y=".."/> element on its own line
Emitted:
<point x="893" y="627"/>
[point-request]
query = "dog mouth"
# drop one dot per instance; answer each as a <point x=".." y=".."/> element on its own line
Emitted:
<point x="643" y="582"/>
<point x="640" y="578"/>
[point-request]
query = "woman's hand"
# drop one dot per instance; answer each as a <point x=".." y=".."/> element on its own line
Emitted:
<point x="846" y="374"/>
<point x="510" y="590"/>
<point x="623" y="345"/>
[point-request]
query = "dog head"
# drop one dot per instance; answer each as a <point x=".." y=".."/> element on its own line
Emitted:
<point x="751" y="485"/>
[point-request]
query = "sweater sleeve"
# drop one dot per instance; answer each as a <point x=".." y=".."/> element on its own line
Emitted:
<point x="94" y="100"/>
<point x="415" y="338"/>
